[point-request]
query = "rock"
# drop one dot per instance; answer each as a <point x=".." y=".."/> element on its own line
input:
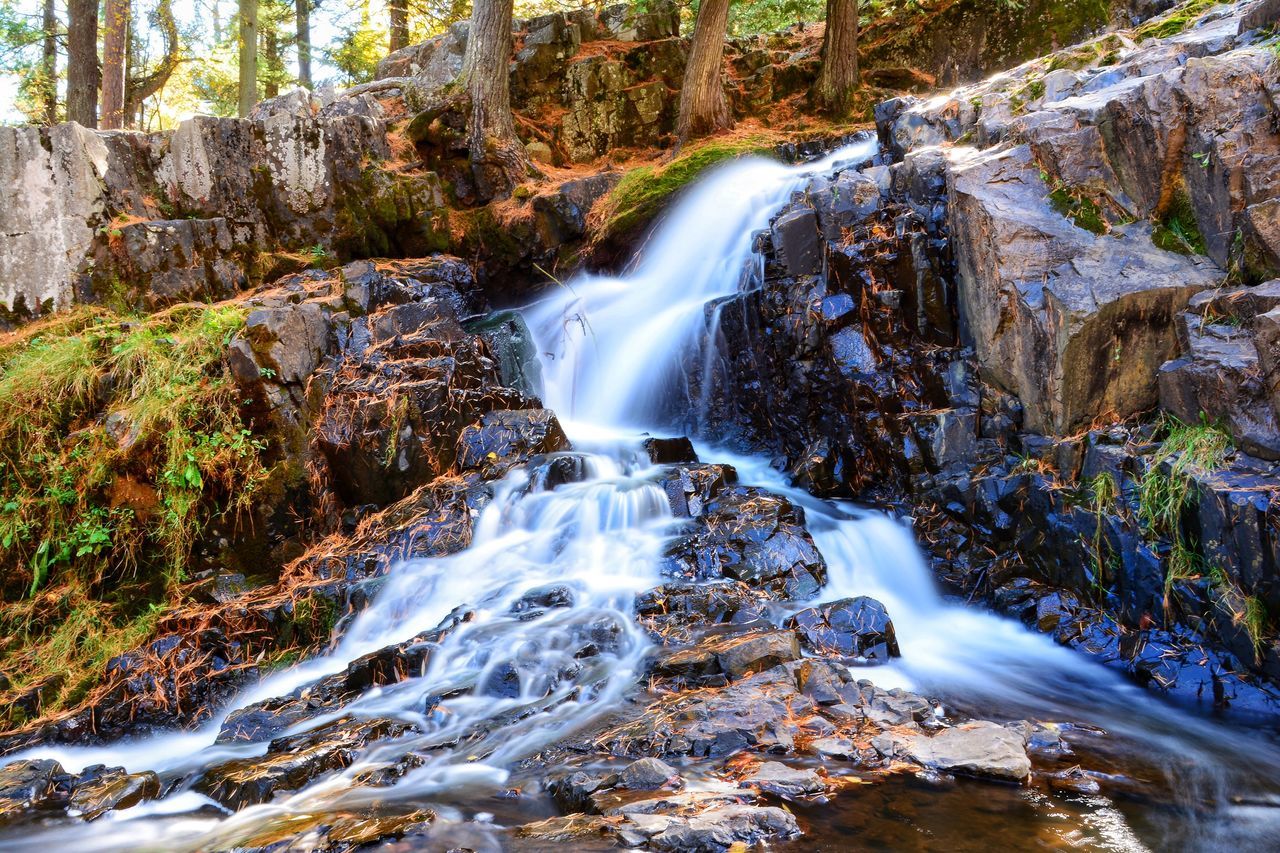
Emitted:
<point x="976" y="749"/>
<point x="112" y="791"/>
<point x="669" y="451"/>
<point x="749" y="535"/>
<point x="848" y="200"/>
<point x="1072" y="323"/>
<point x="720" y="828"/>
<point x="690" y="488"/>
<point x="24" y="784"/>
<point x="754" y="653"/>
<point x="507" y="437"/>
<point x="797" y="242"/>
<point x="512" y="346"/>
<point x="647" y="774"/>
<point x="852" y="627"/>
<point x="776" y="778"/>
<point x="1219" y="377"/>
<point x="676" y="612"/>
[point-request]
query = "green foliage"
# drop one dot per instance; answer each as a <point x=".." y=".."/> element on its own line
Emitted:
<point x="1102" y="492"/>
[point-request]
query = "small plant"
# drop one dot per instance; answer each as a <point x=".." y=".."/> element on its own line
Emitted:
<point x="1203" y="159"/>
<point x="318" y="254"/>
<point x="1186" y="449"/>
<point x="1102" y="495"/>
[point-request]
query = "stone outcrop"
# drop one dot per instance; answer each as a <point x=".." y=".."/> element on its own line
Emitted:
<point x="1073" y="147"/>
<point x="1027" y="261"/>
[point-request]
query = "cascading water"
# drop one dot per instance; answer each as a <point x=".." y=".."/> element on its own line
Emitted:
<point x="614" y="354"/>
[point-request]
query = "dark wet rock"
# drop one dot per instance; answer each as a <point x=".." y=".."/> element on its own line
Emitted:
<point x="668" y="451"/>
<point x="513" y="348"/>
<point x="676" y="611"/>
<point x="975" y="749"/>
<point x="774" y="777"/>
<point x="852" y="627"/>
<point x="690" y="488"/>
<point x="752" y="536"/>
<point x="797" y="242"/>
<point x="505" y="438"/>
<point x="572" y="793"/>
<point x="112" y="791"/>
<point x="24" y="784"/>
<point x="646" y="774"/>
<point x="293" y="762"/>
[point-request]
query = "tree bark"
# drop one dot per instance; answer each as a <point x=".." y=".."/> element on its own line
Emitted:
<point x="498" y="159"/>
<point x="49" y="66"/>
<point x="302" y="15"/>
<point x="115" y="40"/>
<point x="838" y="77"/>
<point x="138" y="89"/>
<point x="82" y="62"/>
<point x="271" y="59"/>
<point x="248" y="55"/>
<point x="703" y="108"/>
<point x="399" y="13"/>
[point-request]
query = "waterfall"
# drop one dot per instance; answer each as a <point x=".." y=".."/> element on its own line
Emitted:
<point x="614" y="351"/>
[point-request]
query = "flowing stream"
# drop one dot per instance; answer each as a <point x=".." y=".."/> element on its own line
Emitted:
<point x="614" y="352"/>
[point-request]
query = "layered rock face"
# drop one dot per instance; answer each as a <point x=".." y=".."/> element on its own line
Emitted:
<point x="951" y="320"/>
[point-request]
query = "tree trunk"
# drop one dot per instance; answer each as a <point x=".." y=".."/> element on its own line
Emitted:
<point x="302" y="13"/>
<point x="399" y="10"/>
<point x="498" y="158"/>
<point x="271" y="59"/>
<point x="115" y="39"/>
<point x="138" y="89"/>
<point x="49" y="66"/>
<point x="248" y="55"/>
<point x="703" y="108"/>
<point x="82" y="62"/>
<point x="838" y="77"/>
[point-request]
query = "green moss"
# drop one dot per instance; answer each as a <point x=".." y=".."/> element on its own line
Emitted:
<point x="1177" y="230"/>
<point x="1177" y="20"/>
<point x="643" y="192"/>
<point x="1079" y="207"/>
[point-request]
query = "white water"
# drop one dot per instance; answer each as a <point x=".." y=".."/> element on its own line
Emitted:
<point x="613" y="355"/>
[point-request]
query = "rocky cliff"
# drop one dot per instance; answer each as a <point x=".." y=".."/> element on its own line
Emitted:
<point x="1048" y="317"/>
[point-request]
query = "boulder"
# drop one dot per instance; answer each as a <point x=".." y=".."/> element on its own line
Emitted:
<point x="852" y="627"/>
<point x="647" y="774"/>
<point x="975" y="749"/>
<point x="749" y="535"/>
<point x="797" y="242"/>
<point x="112" y="791"/>
<point x="774" y="777"/>
<point x="24" y="784"/>
<point x="1075" y="324"/>
<point x="1219" y="377"/>
<point x="507" y="437"/>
